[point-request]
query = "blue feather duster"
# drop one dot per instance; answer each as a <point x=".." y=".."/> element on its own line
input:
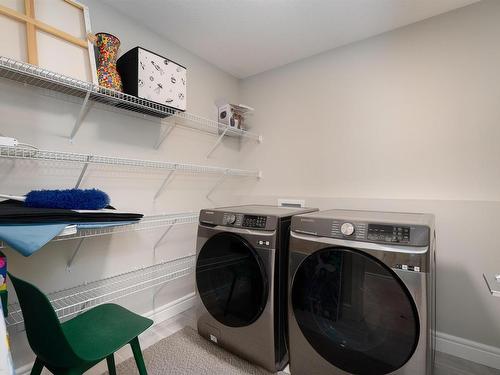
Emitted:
<point x="71" y="199"/>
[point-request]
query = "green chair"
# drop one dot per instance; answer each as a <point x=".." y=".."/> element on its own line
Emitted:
<point x="73" y="347"/>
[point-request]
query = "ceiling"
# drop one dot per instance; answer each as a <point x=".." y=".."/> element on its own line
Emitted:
<point x="247" y="37"/>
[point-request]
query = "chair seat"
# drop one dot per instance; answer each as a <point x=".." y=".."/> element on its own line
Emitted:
<point x="103" y="330"/>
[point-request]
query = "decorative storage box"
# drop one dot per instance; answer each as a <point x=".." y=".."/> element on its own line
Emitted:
<point x="152" y="77"/>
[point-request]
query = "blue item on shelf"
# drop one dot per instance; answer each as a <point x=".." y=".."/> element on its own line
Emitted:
<point x="29" y="238"/>
<point x="71" y="199"/>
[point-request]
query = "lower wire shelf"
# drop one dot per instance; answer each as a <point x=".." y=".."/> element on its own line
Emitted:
<point x="70" y="302"/>
<point x="146" y="223"/>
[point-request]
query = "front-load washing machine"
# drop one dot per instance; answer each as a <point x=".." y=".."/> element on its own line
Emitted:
<point x="361" y="293"/>
<point x="241" y="280"/>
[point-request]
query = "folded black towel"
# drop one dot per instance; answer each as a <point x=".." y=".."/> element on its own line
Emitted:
<point x="12" y="212"/>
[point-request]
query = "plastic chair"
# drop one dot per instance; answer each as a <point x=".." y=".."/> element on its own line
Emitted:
<point x="73" y="347"/>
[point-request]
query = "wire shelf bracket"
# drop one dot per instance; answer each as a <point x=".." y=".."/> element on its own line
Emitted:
<point x="75" y="253"/>
<point x="217" y="143"/>
<point x="219" y="182"/>
<point x="84" y="110"/>
<point x="163" y="184"/>
<point x="164" y="134"/>
<point x="82" y="173"/>
<point x="165" y="233"/>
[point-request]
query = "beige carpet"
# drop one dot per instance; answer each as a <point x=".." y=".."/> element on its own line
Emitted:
<point x="187" y="353"/>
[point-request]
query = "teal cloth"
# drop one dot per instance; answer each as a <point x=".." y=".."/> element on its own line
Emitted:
<point x="29" y="238"/>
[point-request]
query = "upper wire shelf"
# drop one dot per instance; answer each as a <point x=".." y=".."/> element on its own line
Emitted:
<point x="146" y="223"/>
<point x="70" y="302"/>
<point x="45" y="155"/>
<point x="68" y="88"/>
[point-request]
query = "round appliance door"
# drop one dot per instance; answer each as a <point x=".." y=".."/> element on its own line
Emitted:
<point x="231" y="280"/>
<point x="355" y="311"/>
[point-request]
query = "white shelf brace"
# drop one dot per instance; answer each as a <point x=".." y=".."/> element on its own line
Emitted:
<point x="167" y="230"/>
<point x="164" y="183"/>
<point x="84" y="170"/>
<point x="217" y="184"/>
<point x="73" y="256"/>
<point x="84" y="110"/>
<point x="217" y="142"/>
<point x="164" y="134"/>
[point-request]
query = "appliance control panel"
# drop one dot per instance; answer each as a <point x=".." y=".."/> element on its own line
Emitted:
<point x="376" y="232"/>
<point x="252" y="221"/>
<point x="389" y="233"/>
<point x="244" y="221"/>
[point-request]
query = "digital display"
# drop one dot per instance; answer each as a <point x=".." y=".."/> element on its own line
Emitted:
<point x="250" y="221"/>
<point x="388" y="233"/>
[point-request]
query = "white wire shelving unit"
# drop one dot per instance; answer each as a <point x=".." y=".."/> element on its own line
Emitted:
<point x="167" y="221"/>
<point x="88" y="159"/>
<point x="89" y="95"/>
<point x="146" y="223"/>
<point x="73" y="301"/>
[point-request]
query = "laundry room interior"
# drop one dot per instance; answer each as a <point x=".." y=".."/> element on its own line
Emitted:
<point x="250" y="187"/>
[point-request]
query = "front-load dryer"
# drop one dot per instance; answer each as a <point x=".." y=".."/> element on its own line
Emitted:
<point x="361" y="293"/>
<point x="241" y="279"/>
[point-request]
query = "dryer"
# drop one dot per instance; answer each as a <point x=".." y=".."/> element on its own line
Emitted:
<point x="361" y="293"/>
<point x="241" y="279"/>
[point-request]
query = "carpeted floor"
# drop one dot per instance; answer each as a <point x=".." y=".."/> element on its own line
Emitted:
<point x="187" y="353"/>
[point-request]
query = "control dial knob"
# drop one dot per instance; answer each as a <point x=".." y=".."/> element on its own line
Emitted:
<point x="347" y="229"/>
<point x="231" y="219"/>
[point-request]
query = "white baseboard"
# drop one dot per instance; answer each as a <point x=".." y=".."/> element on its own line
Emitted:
<point x="171" y="309"/>
<point x="158" y="315"/>
<point x="469" y="350"/>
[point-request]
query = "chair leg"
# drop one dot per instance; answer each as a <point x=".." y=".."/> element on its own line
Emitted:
<point x="37" y="367"/>
<point x="111" y="364"/>
<point x="139" y="360"/>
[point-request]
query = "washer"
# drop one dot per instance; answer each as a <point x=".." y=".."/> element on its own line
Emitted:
<point x="241" y="279"/>
<point x="361" y="293"/>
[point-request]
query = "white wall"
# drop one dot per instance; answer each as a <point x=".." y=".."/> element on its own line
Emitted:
<point x="406" y="121"/>
<point x="47" y="123"/>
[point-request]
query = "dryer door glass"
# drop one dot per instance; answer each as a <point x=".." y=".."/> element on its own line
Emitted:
<point x="231" y="280"/>
<point x="355" y="311"/>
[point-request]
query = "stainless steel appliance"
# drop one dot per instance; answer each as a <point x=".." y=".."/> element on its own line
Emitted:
<point x="241" y="279"/>
<point x="361" y="293"/>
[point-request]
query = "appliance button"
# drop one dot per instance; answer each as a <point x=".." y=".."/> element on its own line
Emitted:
<point x="261" y="242"/>
<point x="347" y="229"/>
<point x="231" y="219"/>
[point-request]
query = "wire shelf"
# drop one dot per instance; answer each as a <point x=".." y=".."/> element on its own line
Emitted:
<point x="147" y="223"/>
<point x="73" y="301"/>
<point x="68" y="88"/>
<point x="45" y="155"/>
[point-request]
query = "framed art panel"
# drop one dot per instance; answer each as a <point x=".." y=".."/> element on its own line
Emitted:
<point x="31" y="32"/>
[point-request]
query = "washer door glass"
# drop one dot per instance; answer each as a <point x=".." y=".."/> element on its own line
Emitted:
<point x="355" y="311"/>
<point x="231" y="280"/>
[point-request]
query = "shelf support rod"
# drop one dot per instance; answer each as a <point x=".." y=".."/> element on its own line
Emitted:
<point x="81" y="115"/>
<point x="217" y="143"/>
<point x="164" y="134"/>
<point x="72" y="259"/>
<point x="217" y="184"/>
<point x="169" y="228"/>
<point x="82" y="173"/>
<point x="164" y="183"/>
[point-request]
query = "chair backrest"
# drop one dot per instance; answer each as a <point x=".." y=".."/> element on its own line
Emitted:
<point x="44" y="331"/>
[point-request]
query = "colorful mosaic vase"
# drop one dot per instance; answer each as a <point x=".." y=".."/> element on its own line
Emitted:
<point x="107" y="74"/>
